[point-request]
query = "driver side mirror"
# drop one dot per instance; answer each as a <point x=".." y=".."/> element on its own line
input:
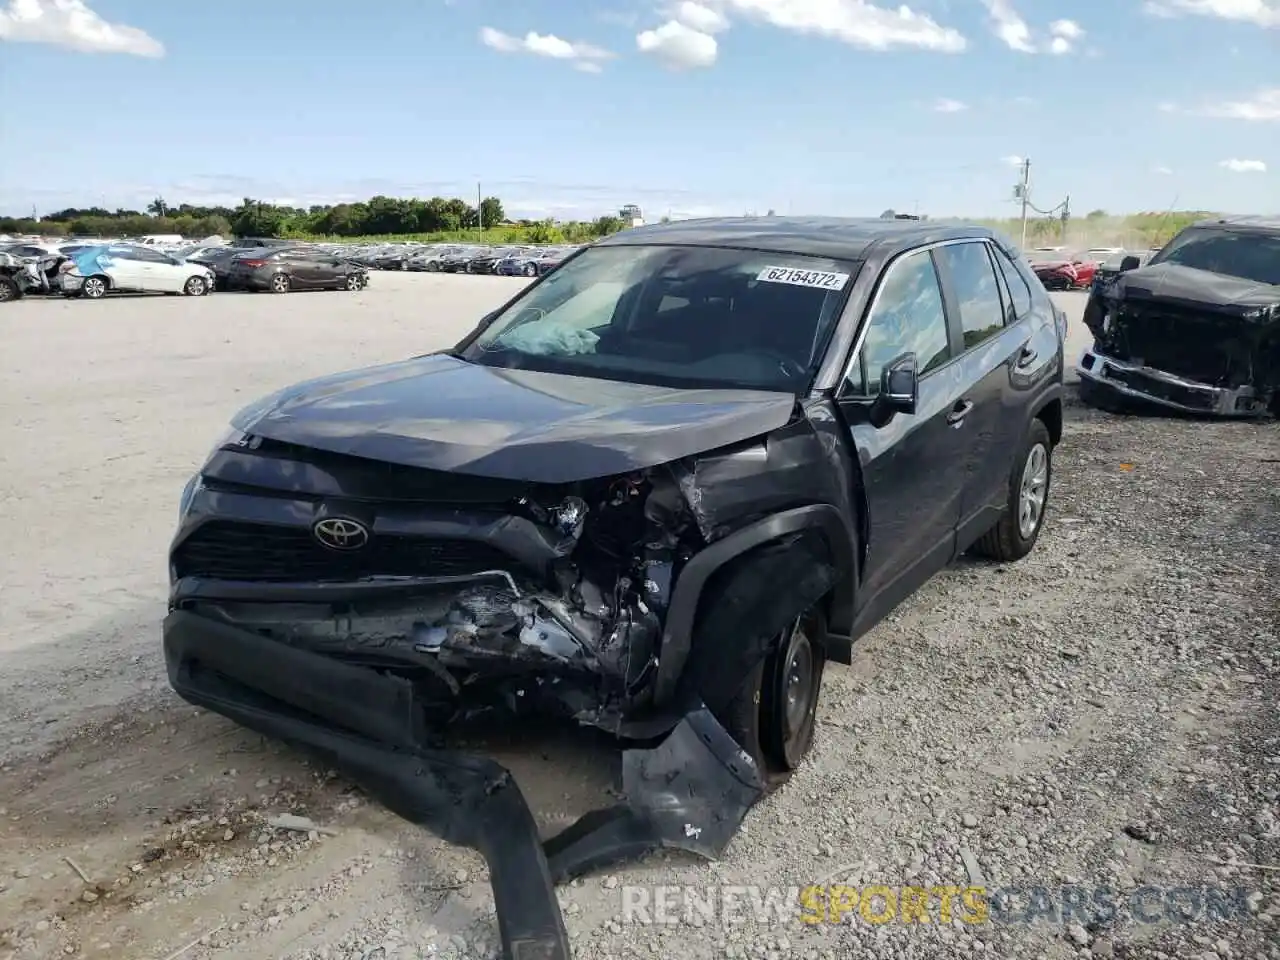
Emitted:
<point x="900" y="385"/>
<point x="1129" y="263"/>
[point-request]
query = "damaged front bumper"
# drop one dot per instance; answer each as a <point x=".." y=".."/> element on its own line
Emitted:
<point x="1150" y="385"/>
<point x="689" y="792"/>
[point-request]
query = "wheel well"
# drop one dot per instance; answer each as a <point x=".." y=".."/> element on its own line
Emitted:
<point x="1051" y="416"/>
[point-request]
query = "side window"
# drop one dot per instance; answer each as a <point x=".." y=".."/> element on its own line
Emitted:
<point x="974" y="283"/>
<point x="149" y="256"/>
<point x="906" y="317"/>
<point x="1018" y="288"/>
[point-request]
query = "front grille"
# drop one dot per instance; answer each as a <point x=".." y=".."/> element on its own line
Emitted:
<point x="227" y="550"/>
<point x="1179" y="341"/>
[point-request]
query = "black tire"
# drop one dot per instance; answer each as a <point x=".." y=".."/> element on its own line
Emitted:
<point x="95" y="287"/>
<point x="775" y="731"/>
<point x="195" y="287"/>
<point x="9" y="289"/>
<point x="433" y="267"/>
<point x="530" y="270"/>
<point x="280" y="283"/>
<point x="1012" y="538"/>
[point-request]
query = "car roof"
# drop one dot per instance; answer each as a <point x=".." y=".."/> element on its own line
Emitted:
<point x="1251" y="223"/>
<point x="846" y="238"/>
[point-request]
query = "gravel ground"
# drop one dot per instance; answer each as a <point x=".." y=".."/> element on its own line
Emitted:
<point x="1100" y="715"/>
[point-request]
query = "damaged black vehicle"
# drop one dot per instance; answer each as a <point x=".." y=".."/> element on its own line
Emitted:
<point x="654" y="493"/>
<point x="1195" y="330"/>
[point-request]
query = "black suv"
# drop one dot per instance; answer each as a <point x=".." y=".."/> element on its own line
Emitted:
<point x="1196" y="329"/>
<point x="656" y="492"/>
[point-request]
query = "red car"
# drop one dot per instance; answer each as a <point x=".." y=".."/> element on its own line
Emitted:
<point x="1065" y="273"/>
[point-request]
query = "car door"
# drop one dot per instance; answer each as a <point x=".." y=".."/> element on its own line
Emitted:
<point x="911" y="462"/>
<point x="171" y="274"/>
<point x="989" y="345"/>
<point x="125" y="267"/>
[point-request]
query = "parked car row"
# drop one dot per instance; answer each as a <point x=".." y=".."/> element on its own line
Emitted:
<point x="94" y="269"/>
<point x="510" y="261"/>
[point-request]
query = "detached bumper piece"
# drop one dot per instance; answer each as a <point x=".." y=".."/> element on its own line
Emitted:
<point x="690" y="792"/>
<point x="1149" y="385"/>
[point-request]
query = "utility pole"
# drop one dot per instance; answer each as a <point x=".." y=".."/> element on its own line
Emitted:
<point x="1023" y="188"/>
<point x="1066" y="215"/>
<point x="480" y="209"/>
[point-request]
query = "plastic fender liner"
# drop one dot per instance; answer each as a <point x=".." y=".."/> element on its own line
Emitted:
<point x="677" y="636"/>
<point x="690" y="792"/>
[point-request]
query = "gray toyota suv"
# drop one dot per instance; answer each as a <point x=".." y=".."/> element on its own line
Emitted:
<point x="655" y="493"/>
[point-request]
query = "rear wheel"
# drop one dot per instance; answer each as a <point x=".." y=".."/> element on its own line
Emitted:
<point x="774" y="715"/>
<point x="280" y="283"/>
<point x="196" y="287"/>
<point x="433" y="266"/>
<point x="9" y="289"/>
<point x="352" y="282"/>
<point x="95" y="288"/>
<point x="530" y="270"/>
<point x="1014" y="536"/>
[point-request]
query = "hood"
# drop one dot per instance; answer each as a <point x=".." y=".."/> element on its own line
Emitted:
<point x="441" y="413"/>
<point x="1187" y="286"/>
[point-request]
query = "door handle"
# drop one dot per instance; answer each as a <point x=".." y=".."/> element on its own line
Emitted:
<point x="1026" y="357"/>
<point x="959" y="412"/>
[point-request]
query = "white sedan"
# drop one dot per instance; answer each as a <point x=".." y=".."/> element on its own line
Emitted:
<point x="94" y="271"/>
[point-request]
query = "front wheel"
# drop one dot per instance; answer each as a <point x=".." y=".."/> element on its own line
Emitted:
<point x="196" y="287"/>
<point x="530" y="270"/>
<point x="9" y="289"/>
<point x="280" y="283"/>
<point x="352" y="282"/>
<point x="95" y="288"/>
<point x="1014" y="536"/>
<point x="774" y="714"/>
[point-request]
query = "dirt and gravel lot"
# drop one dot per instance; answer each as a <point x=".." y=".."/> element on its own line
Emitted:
<point x="1102" y="714"/>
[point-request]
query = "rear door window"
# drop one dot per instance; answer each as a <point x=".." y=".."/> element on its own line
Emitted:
<point x="1019" y="290"/>
<point x="973" y="282"/>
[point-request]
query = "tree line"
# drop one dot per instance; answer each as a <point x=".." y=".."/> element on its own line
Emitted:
<point x="377" y="216"/>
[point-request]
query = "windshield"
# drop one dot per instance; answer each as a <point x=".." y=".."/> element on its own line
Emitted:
<point x="678" y="316"/>
<point x="1233" y="253"/>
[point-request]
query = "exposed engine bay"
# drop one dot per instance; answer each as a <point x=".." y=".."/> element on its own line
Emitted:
<point x="582" y="630"/>
<point x="1187" y="339"/>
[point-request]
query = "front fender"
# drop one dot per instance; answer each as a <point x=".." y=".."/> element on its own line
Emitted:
<point x="677" y="636"/>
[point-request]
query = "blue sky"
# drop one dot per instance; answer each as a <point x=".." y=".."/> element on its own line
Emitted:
<point x="571" y="108"/>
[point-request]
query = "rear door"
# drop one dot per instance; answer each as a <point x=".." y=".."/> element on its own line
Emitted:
<point x="127" y="269"/>
<point x="1004" y="353"/>
<point x="912" y="464"/>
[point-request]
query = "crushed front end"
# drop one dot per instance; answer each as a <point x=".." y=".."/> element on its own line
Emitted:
<point x="355" y="608"/>
<point x="1210" y="355"/>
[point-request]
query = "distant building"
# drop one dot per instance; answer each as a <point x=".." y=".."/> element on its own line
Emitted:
<point x="631" y="215"/>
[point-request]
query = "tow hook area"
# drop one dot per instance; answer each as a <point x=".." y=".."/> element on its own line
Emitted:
<point x="691" y="791"/>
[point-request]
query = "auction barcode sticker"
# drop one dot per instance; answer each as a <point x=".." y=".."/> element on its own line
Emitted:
<point x="804" y="278"/>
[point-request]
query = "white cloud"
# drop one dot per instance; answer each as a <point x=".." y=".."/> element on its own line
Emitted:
<point x="697" y="16"/>
<point x="71" y="24"/>
<point x="583" y="56"/>
<point x="1162" y="171"/>
<point x="1243" y="166"/>
<point x="1262" y="106"/>
<point x="1009" y="26"/>
<point x="858" y="23"/>
<point x="678" y="46"/>
<point x="1167" y="107"/>
<point x="1013" y="161"/>
<point x="1262" y="13"/>
<point x="1016" y="33"/>
<point x="946" y="105"/>
<point x="1065" y="34"/>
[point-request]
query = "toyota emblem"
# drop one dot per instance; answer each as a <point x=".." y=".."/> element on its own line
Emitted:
<point x="339" y="533"/>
